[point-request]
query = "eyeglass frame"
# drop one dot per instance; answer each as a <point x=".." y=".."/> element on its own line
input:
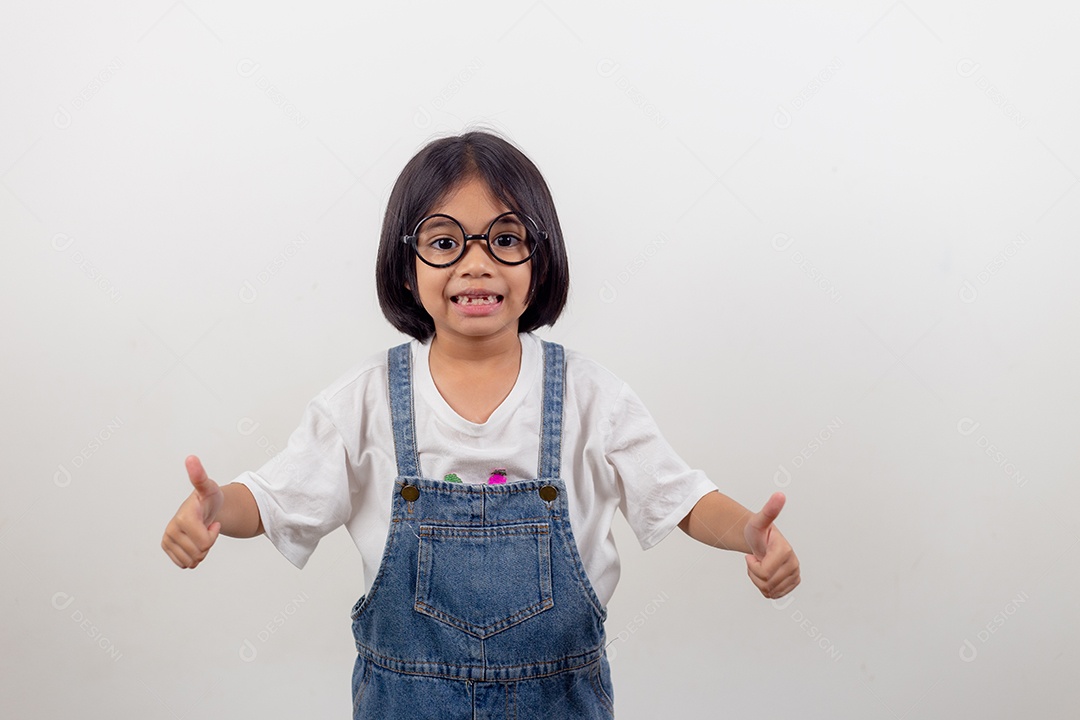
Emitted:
<point x="411" y="240"/>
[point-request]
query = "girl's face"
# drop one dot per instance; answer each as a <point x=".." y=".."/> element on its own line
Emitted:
<point x="478" y="297"/>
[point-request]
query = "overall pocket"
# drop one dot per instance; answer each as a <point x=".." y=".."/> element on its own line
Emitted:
<point x="483" y="580"/>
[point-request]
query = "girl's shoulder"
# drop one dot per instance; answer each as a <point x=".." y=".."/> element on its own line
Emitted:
<point x="358" y="379"/>
<point x="585" y="374"/>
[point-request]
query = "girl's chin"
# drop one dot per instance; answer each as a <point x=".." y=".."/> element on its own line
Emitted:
<point x="477" y="325"/>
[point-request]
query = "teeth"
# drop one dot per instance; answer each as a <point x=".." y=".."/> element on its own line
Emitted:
<point x="477" y="299"/>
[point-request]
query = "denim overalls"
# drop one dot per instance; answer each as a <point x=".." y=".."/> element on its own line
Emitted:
<point x="481" y="607"/>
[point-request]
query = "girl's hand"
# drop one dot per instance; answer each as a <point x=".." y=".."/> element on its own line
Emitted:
<point x="773" y="567"/>
<point x="193" y="530"/>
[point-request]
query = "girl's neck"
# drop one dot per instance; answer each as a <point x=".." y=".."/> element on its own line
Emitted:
<point x="451" y="350"/>
<point x="475" y="377"/>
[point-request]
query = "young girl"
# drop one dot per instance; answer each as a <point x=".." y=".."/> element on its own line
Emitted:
<point x="477" y="467"/>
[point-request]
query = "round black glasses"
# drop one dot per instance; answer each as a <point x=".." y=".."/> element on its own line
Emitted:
<point x="440" y="241"/>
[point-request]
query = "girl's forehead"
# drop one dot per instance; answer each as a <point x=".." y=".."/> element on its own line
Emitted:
<point x="470" y="196"/>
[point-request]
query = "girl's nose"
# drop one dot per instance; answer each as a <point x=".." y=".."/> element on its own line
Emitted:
<point x="476" y="260"/>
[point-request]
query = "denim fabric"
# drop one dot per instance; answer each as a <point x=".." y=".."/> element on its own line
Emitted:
<point x="481" y="607"/>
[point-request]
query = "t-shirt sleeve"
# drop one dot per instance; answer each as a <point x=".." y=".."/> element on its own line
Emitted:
<point x="303" y="491"/>
<point x="657" y="488"/>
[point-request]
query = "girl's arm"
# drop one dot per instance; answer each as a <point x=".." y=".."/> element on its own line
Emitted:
<point x="210" y="510"/>
<point x="719" y="521"/>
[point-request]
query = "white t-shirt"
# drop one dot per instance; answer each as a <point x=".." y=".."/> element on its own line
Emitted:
<point x="339" y="465"/>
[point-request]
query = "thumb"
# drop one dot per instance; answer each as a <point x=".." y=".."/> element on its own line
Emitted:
<point x="768" y="513"/>
<point x="214" y="529"/>
<point x="203" y="485"/>
<point x="757" y="527"/>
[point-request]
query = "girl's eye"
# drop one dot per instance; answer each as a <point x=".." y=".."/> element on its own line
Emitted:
<point x="443" y="244"/>
<point x="506" y="241"/>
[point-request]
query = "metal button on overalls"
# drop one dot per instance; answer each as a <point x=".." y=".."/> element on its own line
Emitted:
<point x="481" y="607"/>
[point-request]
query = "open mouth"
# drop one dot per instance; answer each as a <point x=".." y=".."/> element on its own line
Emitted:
<point x="476" y="299"/>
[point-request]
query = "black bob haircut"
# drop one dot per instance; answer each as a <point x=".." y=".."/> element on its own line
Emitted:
<point x="431" y="175"/>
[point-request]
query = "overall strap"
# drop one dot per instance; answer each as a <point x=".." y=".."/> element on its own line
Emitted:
<point x="552" y="418"/>
<point x="399" y="367"/>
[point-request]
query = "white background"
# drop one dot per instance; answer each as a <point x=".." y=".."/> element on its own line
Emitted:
<point x="828" y="244"/>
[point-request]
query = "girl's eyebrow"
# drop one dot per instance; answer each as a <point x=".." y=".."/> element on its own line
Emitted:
<point x="441" y="222"/>
<point x="438" y="222"/>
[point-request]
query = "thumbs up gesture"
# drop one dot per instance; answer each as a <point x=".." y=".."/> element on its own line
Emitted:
<point x="193" y="530"/>
<point x="773" y="567"/>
